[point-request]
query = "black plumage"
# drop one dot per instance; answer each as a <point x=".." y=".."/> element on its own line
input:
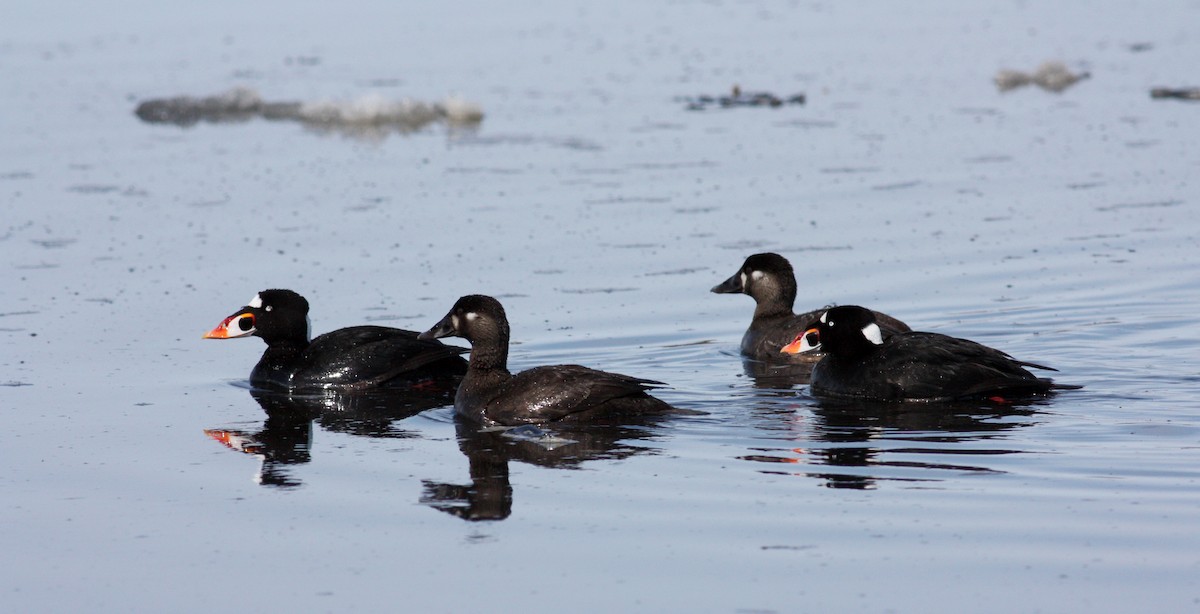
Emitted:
<point x="353" y="358"/>
<point x="914" y="366"/>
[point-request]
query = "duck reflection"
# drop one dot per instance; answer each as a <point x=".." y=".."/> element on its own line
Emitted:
<point x="285" y="438"/>
<point x="859" y="444"/>
<point x="777" y="375"/>
<point x="489" y="495"/>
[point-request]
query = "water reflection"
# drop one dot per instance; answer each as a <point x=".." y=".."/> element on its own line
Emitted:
<point x="489" y="495"/>
<point x="860" y="444"/>
<point x="285" y="439"/>
<point x="778" y="375"/>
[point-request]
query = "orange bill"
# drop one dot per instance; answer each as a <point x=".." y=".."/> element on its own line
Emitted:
<point x="804" y="342"/>
<point x="233" y="327"/>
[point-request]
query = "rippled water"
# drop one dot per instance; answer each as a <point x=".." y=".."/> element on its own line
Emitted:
<point x="142" y="474"/>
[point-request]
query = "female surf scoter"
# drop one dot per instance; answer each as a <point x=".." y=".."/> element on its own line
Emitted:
<point x="354" y="358"/>
<point x="860" y="363"/>
<point x="491" y="394"/>
<point x="769" y="280"/>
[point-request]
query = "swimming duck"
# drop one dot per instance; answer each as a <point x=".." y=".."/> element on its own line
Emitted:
<point x="768" y="279"/>
<point x="490" y="394"/>
<point x="860" y="362"/>
<point x="354" y="358"/>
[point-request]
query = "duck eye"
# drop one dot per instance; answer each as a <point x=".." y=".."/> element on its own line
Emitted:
<point x="268" y="308"/>
<point x="246" y="322"/>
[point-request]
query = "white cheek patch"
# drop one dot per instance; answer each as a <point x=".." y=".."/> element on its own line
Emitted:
<point x="255" y="302"/>
<point x="471" y="316"/>
<point x="757" y="275"/>
<point x="873" y="334"/>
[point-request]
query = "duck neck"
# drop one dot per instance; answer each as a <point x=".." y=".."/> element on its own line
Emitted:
<point x="286" y="347"/>
<point x="489" y="356"/>
<point x="772" y="307"/>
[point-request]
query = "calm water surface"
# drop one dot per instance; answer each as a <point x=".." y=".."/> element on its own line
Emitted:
<point x="142" y="474"/>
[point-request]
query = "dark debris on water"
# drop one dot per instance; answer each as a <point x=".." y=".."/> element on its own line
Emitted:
<point x="738" y="98"/>
<point x="1183" y="93"/>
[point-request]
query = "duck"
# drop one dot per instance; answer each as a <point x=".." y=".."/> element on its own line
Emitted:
<point x="768" y="278"/>
<point x="347" y="359"/>
<point x="861" y="363"/>
<point x="492" y="395"/>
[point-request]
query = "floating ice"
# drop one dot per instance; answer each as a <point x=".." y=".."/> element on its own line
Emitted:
<point x="1052" y="76"/>
<point x="371" y="115"/>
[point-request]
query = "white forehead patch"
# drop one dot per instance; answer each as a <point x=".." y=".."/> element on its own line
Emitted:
<point x="757" y="275"/>
<point x="873" y="334"/>
<point x="255" y="302"/>
<point x="823" y="318"/>
<point x="471" y="316"/>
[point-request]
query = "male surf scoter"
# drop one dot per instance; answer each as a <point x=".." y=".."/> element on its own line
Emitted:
<point x="354" y="358"/>
<point x="490" y="394"/>
<point x="861" y="363"/>
<point x="769" y="280"/>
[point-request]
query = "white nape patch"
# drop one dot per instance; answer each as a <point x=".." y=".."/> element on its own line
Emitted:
<point x="824" y="317"/>
<point x="255" y="302"/>
<point x="307" y="328"/>
<point x="757" y="275"/>
<point x="471" y="316"/>
<point x="873" y="334"/>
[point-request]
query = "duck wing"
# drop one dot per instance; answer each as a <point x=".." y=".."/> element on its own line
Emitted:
<point x="938" y="367"/>
<point x="368" y="356"/>
<point x="546" y="394"/>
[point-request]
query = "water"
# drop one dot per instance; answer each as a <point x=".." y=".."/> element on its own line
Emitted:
<point x="1058" y="227"/>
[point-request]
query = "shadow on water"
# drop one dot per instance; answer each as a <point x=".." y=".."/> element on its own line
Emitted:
<point x="489" y="495"/>
<point x="285" y="438"/>
<point x="858" y="444"/>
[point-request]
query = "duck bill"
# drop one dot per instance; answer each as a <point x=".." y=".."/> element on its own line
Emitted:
<point x="733" y="285"/>
<point x="235" y="440"/>
<point x="802" y="343"/>
<point x="445" y="328"/>
<point x="240" y="324"/>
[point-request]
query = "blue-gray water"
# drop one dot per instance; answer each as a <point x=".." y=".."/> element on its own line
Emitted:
<point x="1058" y="227"/>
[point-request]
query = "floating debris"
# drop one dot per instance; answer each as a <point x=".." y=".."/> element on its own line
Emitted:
<point x="738" y="98"/>
<point x="1185" y="93"/>
<point x="1052" y="76"/>
<point x="367" y="115"/>
<point x="533" y="434"/>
